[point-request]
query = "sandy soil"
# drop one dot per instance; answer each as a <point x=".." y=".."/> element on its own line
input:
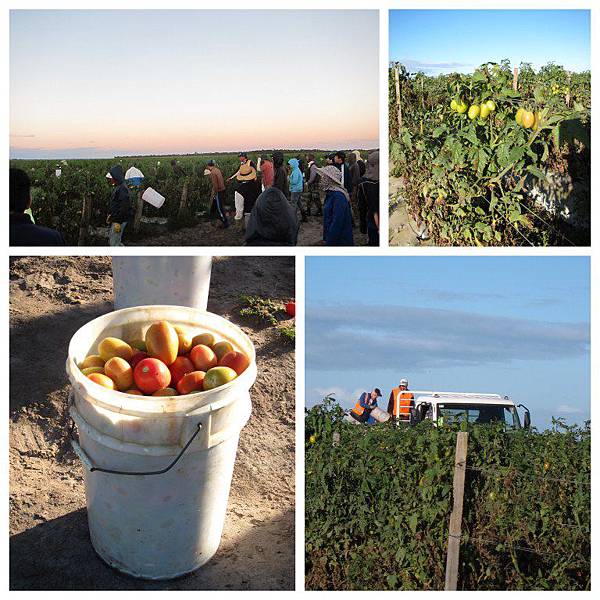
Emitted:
<point x="209" y="234"/>
<point x="403" y="228"/>
<point x="50" y="298"/>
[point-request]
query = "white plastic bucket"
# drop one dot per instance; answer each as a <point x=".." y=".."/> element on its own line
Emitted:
<point x="157" y="526"/>
<point x="173" y="280"/>
<point x="151" y="196"/>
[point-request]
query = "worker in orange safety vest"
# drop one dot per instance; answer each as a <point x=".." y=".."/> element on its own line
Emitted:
<point x="400" y="402"/>
<point x="367" y="402"/>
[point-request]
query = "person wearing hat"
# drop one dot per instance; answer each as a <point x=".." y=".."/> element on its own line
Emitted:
<point x="120" y="210"/>
<point x="296" y="183"/>
<point x="248" y="189"/>
<point x="367" y="197"/>
<point x="360" y="162"/>
<point x="400" y="402"/>
<point x="217" y="192"/>
<point x="337" y="215"/>
<point x="339" y="160"/>
<point x="243" y="160"/>
<point x="364" y="405"/>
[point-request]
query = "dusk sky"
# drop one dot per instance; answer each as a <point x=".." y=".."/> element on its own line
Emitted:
<point x="104" y="83"/>
<point x="446" y="41"/>
<point x="517" y="326"/>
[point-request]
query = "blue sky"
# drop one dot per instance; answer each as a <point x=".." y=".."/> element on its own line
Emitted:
<point x="516" y="326"/>
<point x="99" y="83"/>
<point x="445" y="41"/>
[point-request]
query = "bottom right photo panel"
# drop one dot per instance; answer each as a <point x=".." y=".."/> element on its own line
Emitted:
<point x="447" y="423"/>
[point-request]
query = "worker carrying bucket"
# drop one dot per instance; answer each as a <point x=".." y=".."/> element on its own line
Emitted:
<point x="366" y="410"/>
<point x="401" y="402"/>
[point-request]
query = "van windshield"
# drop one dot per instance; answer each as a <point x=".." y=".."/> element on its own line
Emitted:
<point x="478" y="414"/>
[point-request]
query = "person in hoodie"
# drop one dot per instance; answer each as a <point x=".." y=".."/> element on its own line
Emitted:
<point x="119" y="212"/>
<point x="296" y="183"/>
<point x="368" y="200"/>
<point x="272" y="222"/>
<point x="280" y="180"/>
<point x="337" y="216"/>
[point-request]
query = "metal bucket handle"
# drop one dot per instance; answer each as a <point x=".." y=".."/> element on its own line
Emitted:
<point x="85" y="459"/>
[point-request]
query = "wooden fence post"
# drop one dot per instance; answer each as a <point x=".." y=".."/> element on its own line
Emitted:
<point x="398" y="103"/>
<point x="515" y="78"/>
<point x="336" y="438"/>
<point x="568" y="94"/>
<point x="137" y="219"/>
<point x="183" y="202"/>
<point x="86" y="212"/>
<point x="453" y="557"/>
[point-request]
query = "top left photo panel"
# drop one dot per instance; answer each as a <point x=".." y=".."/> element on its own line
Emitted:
<point x="194" y="128"/>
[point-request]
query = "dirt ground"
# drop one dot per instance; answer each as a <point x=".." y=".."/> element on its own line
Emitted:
<point x="50" y="298"/>
<point x="208" y="234"/>
<point x="403" y="228"/>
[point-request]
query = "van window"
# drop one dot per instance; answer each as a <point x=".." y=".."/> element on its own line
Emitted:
<point x="479" y="414"/>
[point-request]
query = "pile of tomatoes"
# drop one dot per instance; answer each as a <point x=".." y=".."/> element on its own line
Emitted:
<point x="168" y="362"/>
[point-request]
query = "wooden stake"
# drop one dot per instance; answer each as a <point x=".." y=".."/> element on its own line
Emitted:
<point x="137" y="219"/>
<point x="398" y="103"/>
<point x="515" y="78"/>
<point x="183" y="202"/>
<point x="568" y="95"/>
<point x="86" y="213"/>
<point x="453" y="557"/>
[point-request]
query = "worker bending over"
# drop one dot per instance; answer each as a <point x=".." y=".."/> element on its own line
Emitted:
<point x="364" y="405"/>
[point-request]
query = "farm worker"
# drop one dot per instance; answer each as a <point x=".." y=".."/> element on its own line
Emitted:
<point x="267" y="172"/>
<point x="354" y="171"/>
<point x="272" y="221"/>
<point x="23" y="231"/>
<point x="280" y="180"/>
<point x="329" y="159"/>
<point x="296" y="182"/>
<point x="361" y="163"/>
<point x="312" y="183"/>
<point x="120" y="206"/>
<point x="367" y="198"/>
<point x="217" y="192"/>
<point x="243" y="160"/>
<point x="337" y="216"/>
<point x="401" y="401"/>
<point x="248" y="189"/>
<point x="339" y="160"/>
<point x="364" y="405"/>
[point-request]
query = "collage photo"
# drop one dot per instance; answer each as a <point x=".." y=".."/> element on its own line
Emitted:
<point x="236" y="362"/>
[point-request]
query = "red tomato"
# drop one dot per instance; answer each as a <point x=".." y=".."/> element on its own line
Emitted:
<point x="237" y="361"/>
<point x="290" y="309"/>
<point x="180" y="367"/>
<point x="135" y="359"/>
<point x="191" y="382"/>
<point x="203" y="357"/>
<point x="151" y="374"/>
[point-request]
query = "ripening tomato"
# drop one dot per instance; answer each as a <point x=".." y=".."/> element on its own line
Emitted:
<point x="135" y="359"/>
<point x="93" y="360"/>
<point x="151" y="374"/>
<point x="484" y="111"/>
<point x="89" y="370"/>
<point x="102" y="380"/>
<point x="528" y="119"/>
<point x="222" y="348"/>
<point x="166" y="392"/>
<point x="191" y="382"/>
<point x="519" y="116"/>
<point x="111" y="346"/>
<point x="162" y="342"/>
<point x="290" y="309"/>
<point x="185" y="340"/>
<point x="237" y="361"/>
<point x="203" y="357"/>
<point x="120" y="371"/>
<point x="462" y="107"/>
<point x="454" y="105"/>
<point x="491" y="105"/>
<point x="180" y="367"/>
<point x="138" y="345"/>
<point x="218" y="376"/>
<point x="206" y="339"/>
<point x="473" y="111"/>
<point x="134" y="392"/>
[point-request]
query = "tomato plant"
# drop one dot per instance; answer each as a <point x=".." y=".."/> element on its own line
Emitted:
<point x="468" y="174"/>
<point x="378" y="502"/>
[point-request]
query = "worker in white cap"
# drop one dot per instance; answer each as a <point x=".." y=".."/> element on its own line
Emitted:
<point x="400" y="402"/>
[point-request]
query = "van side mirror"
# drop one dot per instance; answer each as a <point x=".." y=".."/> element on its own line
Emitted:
<point x="526" y="416"/>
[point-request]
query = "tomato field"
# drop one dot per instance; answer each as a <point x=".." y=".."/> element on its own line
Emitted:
<point x="58" y="202"/>
<point x="496" y="157"/>
<point x="378" y="502"/>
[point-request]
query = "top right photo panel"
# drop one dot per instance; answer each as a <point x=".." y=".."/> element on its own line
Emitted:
<point x="489" y="127"/>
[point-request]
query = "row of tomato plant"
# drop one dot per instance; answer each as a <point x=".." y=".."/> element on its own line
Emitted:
<point x="57" y="202"/>
<point x="378" y="503"/>
<point x="471" y="147"/>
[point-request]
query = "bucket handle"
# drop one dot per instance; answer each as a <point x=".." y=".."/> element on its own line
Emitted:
<point x="85" y="459"/>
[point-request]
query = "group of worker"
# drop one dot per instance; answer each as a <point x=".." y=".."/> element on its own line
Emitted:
<point x="399" y="407"/>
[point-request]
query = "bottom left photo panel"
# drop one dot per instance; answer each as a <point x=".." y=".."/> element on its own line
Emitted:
<point x="152" y="423"/>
